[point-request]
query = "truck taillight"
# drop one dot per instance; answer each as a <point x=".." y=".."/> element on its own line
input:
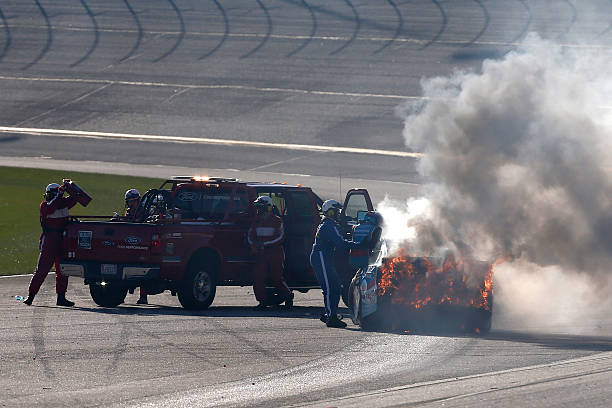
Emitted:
<point x="156" y="243"/>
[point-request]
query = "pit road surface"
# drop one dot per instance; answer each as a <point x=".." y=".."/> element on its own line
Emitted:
<point x="276" y="72"/>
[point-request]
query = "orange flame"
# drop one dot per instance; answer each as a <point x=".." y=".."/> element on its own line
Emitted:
<point x="419" y="281"/>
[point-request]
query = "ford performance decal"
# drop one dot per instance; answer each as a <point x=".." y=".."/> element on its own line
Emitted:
<point x="132" y="240"/>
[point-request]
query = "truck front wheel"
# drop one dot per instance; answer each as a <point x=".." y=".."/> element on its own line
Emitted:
<point x="108" y="294"/>
<point x="198" y="289"/>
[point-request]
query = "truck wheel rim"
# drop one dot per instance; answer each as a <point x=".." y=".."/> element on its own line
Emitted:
<point x="201" y="285"/>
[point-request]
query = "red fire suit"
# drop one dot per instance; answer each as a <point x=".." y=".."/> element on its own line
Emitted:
<point x="266" y="237"/>
<point x="53" y="219"/>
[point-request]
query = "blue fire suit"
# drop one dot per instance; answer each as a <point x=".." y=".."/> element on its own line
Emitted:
<point x="326" y="241"/>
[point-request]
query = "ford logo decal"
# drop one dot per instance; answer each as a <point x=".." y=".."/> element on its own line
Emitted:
<point x="132" y="240"/>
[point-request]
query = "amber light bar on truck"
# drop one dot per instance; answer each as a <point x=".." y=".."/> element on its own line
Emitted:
<point x="205" y="178"/>
<point x="176" y="180"/>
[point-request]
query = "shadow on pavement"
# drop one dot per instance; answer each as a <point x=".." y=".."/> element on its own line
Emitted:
<point x="557" y="341"/>
<point x="297" y="312"/>
<point x="553" y="341"/>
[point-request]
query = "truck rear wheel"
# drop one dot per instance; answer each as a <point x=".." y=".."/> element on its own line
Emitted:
<point x="108" y="294"/>
<point x="197" y="291"/>
<point x="274" y="297"/>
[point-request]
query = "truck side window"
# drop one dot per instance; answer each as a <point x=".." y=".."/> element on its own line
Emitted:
<point x="188" y="201"/>
<point x="302" y="206"/>
<point x="240" y="202"/>
<point x="214" y="204"/>
<point x="356" y="203"/>
<point x="279" y="202"/>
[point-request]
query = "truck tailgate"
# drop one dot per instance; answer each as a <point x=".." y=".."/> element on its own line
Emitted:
<point x="113" y="242"/>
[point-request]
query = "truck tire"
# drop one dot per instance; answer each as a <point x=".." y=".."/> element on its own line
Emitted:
<point x="197" y="290"/>
<point x="108" y="295"/>
<point x="274" y="297"/>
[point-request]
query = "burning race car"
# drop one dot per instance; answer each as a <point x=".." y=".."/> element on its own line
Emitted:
<point x="417" y="293"/>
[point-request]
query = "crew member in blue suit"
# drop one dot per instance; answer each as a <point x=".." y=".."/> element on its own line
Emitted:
<point x="326" y="241"/>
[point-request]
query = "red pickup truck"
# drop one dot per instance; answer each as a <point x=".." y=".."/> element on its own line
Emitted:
<point x="190" y="237"/>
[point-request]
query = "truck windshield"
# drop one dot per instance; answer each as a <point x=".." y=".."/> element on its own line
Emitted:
<point x="210" y="203"/>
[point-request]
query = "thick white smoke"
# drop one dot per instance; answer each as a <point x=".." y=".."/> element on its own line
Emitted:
<point x="518" y="164"/>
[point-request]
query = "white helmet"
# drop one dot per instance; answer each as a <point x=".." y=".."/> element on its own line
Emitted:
<point x="132" y="194"/>
<point x="264" y="204"/>
<point x="51" y="191"/>
<point x="263" y="200"/>
<point x="331" y="208"/>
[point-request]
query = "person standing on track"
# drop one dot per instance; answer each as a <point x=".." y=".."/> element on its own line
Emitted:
<point x="266" y="237"/>
<point x="53" y="219"/>
<point x="326" y="241"/>
<point x="132" y="200"/>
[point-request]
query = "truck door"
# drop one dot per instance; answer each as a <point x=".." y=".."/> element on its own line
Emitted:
<point x="301" y="221"/>
<point x="231" y="237"/>
<point x="357" y="200"/>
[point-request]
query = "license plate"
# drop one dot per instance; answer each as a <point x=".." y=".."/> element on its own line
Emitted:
<point x="109" y="269"/>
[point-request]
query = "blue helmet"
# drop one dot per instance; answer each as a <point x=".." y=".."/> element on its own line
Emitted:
<point x="132" y="194"/>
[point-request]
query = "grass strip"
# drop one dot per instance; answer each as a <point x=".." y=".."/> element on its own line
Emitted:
<point x="21" y="191"/>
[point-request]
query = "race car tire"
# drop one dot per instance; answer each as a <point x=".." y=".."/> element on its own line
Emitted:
<point x="109" y="294"/>
<point x="345" y="292"/>
<point x="353" y="301"/>
<point x="479" y="322"/>
<point x="367" y="323"/>
<point x="197" y="291"/>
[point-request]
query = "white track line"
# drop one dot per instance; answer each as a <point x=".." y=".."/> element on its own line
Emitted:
<point x="17" y="276"/>
<point x="204" y="140"/>
<point x="208" y="86"/>
<point x="301" y="37"/>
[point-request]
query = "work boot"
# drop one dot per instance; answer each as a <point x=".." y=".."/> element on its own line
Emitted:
<point x="142" y="300"/>
<point x="62" y="301"/>
<point x="260" y="307"/>
<point x="29" y="300"/>
<point x="335" y="322"/>
<point x="324" y="317"/>
<point x="289" y="300"/>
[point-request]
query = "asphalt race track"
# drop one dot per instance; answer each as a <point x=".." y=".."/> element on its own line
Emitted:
<point x="161" y="355"/>
<point x="272" y="90"/>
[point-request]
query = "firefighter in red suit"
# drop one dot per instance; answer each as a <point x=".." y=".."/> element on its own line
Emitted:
<point x="53" y="219"/>
<point x="266" y="238"/>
